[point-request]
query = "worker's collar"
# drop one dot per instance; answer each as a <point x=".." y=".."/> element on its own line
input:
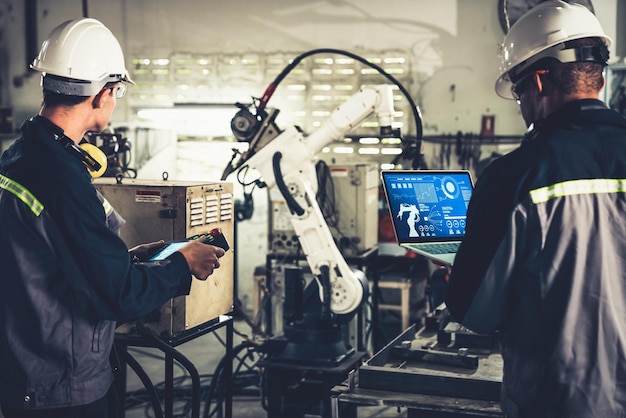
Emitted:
<point x="569" y="113"/>
<point x="48" y="125"/>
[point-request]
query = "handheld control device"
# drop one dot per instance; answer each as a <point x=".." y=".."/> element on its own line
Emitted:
<point x="214" y="237"/>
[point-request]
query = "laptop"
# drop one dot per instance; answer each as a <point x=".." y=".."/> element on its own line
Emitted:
<point x="428" y="209"/>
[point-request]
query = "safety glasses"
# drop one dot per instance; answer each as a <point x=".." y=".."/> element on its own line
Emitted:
<point x="119" y="90"/>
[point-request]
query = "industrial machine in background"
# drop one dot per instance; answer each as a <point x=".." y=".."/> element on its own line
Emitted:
<point x="174" y="210"/>
<point x="355" y="222"/>
<point x="348" y="198"/>
<point x="286" y="161"/>
<point x="117" y="148"/>
<point x="311" y="355"/>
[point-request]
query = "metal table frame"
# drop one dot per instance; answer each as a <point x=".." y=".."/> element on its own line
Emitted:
<point x="147" y="338"/>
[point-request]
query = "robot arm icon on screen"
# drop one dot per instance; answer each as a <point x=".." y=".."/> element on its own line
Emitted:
<point x="412" y="219"/>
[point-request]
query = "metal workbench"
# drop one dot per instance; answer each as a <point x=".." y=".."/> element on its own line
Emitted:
<point x="438" y="371"/>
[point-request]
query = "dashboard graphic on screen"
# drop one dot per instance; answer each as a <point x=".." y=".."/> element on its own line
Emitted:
<point x="428" y="205"/>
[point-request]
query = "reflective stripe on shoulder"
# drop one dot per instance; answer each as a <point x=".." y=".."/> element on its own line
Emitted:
<point x="107" y="206"/>
<point x="575" y="187"/>
<point x="21" y="193"/>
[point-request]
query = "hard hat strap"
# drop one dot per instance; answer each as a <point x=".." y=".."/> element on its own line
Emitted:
<point x="72" y="87"/>
<point x="597" y="54"/>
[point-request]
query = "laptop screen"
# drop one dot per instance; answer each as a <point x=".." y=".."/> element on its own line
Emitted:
<point x="427" y="205"/>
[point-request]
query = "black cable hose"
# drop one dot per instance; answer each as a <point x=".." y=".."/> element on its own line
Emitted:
<point x="193" y="372"/>
<point x="326" y="199"/>
<point x="326" y="290"/>
<point x="244" y="384"/>
<point x="215" y="387"/>
<point x="326" y="194"/>
<point x="145" y="380"/>
<point x="270" y="89"/>
<point x="294" y="207"/>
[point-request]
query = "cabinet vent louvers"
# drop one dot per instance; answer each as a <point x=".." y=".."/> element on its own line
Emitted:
<point x="226" y="207"/>
<point x="212" y="208"/>
<point x="196" y="212"/>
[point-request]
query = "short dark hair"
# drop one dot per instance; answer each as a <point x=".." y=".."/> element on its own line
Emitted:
<point x="572" y="77"/>
<point x="579" y="76"/>
<point x="53" y="99"/>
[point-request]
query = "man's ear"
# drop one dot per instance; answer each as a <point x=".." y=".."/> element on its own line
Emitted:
<point x="543" y="88"/>
<point x="603" y="83"/>
<point x="538" y="82"/>
<point x="98" y="99"/>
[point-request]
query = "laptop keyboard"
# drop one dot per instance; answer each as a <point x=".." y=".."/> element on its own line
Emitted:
<point x="443" y="248"/>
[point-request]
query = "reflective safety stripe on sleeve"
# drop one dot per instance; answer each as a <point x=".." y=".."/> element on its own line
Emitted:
<point x="575" y="187"/>
<point x="21" y="193"/>
<point x="107" y="207"/>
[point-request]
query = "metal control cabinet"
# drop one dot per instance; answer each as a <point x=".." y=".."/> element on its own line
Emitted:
<point x="356" y="196"/>
<point x="172" y="210"/>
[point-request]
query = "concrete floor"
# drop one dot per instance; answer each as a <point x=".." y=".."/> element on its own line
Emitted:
<point x="205" y="352"/>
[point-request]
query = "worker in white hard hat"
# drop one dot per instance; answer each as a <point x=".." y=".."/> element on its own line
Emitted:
<point x="67" y="277"/>
<point x="543" y="261"/>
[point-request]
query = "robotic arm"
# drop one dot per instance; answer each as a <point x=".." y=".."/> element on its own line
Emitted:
<point x="286" y="159"/>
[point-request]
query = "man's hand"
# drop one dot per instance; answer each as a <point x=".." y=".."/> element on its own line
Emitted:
<point x="141" y="251"/>
<point x="202" y="258"/>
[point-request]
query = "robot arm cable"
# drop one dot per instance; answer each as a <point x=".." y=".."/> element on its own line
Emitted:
<point x="269" y="91"/>
<point x="326" y="194"/>
<point x="294" y="207"/>
<point x="324" y="279"/>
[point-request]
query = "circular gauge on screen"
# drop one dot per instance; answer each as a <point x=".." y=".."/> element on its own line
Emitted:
<point x="450" y="187"/>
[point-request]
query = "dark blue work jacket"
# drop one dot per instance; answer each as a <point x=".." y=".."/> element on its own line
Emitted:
<point x="544" y="262"/>
<point x="66" y="277"/>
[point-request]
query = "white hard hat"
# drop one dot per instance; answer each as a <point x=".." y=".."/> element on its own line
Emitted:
<point x="540" y="33"/>
<point x="79" y="57"/>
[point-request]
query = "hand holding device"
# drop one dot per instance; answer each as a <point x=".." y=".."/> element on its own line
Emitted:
<point x="202" y="259"/>
<point x="142" y="252"/>
<point x="214" y="237"/>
